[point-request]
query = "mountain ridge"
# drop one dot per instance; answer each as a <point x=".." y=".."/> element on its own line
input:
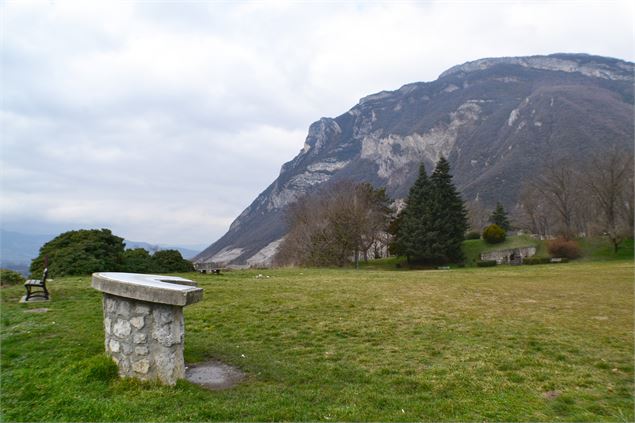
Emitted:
<point x="496" y="119"/>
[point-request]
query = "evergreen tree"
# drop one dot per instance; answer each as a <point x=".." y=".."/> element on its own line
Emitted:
<point x="431" y="227"/>
<point x="448" y="216"/>
<point x="413" y="221"/>
<point x="499" y="217"/>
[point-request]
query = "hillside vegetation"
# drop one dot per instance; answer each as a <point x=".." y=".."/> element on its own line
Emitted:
<point x="472" y="248"/>
<point x="529" y="343"/>
<point x="593" y="249"/>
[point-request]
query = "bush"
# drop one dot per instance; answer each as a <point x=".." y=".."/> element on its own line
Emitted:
<point x="9" y="277"/>
<point x="473" y="235"/>
<point x="494" y="234"/>
<point x="486" y="263"/>
<point x="564" y="248"/>
<point x="170" y="261"/>
<point x="137" y="260"/>
<point x="80" y="252"/>
<point x="536" y="260"/>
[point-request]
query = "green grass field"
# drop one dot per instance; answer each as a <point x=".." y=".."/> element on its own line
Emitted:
<point x="598" y="249"/>
<point x="527" y="343"/>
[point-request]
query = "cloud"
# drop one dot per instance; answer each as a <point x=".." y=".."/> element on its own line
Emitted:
<point x="163" y="121"/>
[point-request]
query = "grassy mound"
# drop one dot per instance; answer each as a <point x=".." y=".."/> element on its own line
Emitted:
<point x="473" y="248"/>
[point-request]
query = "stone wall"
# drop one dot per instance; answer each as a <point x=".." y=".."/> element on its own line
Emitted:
<point x="502" y="256"/>
<point x="145" y="339"/>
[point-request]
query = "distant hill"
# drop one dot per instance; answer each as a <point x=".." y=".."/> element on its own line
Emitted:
<point x="18" y="249"/>
<point x="496" y="120"/>
<point x="187" y="253"/>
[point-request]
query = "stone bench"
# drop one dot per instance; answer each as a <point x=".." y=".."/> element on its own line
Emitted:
<point x="143" y="323"/>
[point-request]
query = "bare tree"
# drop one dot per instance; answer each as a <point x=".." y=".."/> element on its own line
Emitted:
<point x="477" y="215"/>
<point x="534" y="214"/>
<point x="608" y="179"/>
<point x="559" y="187"/>
<point x="329" y="227"/>
<point x="372" y="216"/>
<point x="628" y="210"/>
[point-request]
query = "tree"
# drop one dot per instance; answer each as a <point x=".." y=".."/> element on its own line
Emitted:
<point x="559" y="186"/>
<point x="306" y="242"/>
<point x="448" y="215"/>
<point x="608" y="179"/>
<point x="628" y="211"/>
<point x="330" y="226"/>
<point x="80" y="252"/>
<point x="170" y="261"/>
<point x="413" y="222"/>
<point x="477" y="216"/>
<point x="535" y="213"/>
<point x="433" y="223"/>
<point x="371" y="213"/>
<point x="137" y="260"/>
<point x="499" y="217"/>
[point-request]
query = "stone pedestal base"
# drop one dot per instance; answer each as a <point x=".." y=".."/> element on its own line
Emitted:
<point x="143" y="322"/>
<point x="145" y="339"/>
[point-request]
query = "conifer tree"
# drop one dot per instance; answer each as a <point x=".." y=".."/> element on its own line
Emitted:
<point x="499" y="217"/>
<point x="431" y="227"/>
<point x="413" y="220"/>
<point x="448" y="216"/>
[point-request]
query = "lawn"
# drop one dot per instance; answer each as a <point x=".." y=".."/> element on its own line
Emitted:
<point x="527" y="343"/>
<point x="597" y="249"/>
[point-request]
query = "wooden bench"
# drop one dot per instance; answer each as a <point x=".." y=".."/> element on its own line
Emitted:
<point x="37" y="288"/>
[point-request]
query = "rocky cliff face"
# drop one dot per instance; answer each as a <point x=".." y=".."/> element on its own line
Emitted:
<point x="496" y="120"/>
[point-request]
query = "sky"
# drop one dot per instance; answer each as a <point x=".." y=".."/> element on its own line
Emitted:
<point x="163" y="120"/>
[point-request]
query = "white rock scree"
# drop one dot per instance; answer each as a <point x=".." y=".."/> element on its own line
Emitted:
<point x="143" y="323"/>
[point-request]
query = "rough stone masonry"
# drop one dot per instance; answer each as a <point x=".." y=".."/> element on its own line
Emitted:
<point x="143" y="323"/>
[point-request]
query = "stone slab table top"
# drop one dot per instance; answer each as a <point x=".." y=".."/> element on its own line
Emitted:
<point x="152" y="288"/>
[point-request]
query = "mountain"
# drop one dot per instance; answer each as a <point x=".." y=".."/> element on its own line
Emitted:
<point x="187" y="253"/>
<point x="18" y="249"/>
<point x="497" y="120"/>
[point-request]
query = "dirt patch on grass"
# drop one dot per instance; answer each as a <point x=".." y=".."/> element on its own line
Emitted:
<point x="551" y="394"/>
<point x="214" y="375"/>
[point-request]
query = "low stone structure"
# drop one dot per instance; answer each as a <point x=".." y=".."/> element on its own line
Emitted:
<point x="510" y="255"/>
<point x="143" y="323"/>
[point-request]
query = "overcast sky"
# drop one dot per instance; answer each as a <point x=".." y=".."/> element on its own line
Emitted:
<point x="163" y="120"/>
